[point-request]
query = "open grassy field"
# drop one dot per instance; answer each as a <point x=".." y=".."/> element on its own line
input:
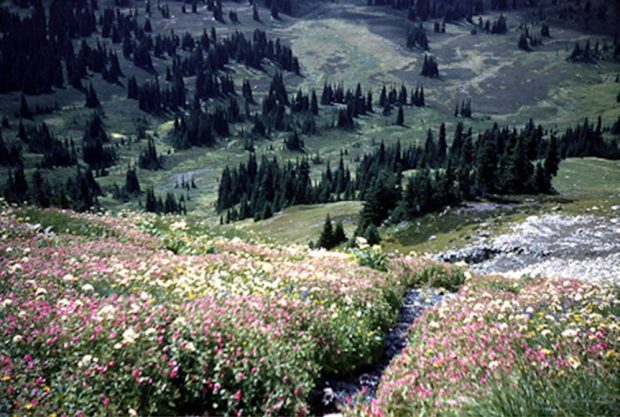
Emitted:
<point x="302" y="224"/>
<point x="120" y="311"/>
<point x="350" y="42"/>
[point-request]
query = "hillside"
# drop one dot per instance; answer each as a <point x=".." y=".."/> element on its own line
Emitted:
<point x="357" y="208"/>
<point x="231" y="327"/>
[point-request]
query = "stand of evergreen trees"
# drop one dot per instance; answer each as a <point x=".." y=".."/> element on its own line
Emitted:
<point x="10" y="155"/>
<point x="430" y="67"/>
<point x="167" y="205"/>
<point x="257" y="190"/>
<point x="79" y="192"/>
<point x="330" y="237"/>
<point x="496" y="27"/>
<point x="589" y="54"/>
<point x="447" y="10"/>
<point x="131" y="188"/>
<point x="38" y="139"/>
<point x="416" y="36"/>
<point x="497" y="161"/>
<point x="96" y="149"/>
<point x="149" y="158"/>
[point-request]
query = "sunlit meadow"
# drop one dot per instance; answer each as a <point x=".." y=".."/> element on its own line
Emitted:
<point x="144" y="315"/>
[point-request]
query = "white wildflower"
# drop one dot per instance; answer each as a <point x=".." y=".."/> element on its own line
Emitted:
<point x="569" y="333"/>
<point x="88" y="288"/>
<point x="85" y="361"/>
<point x="68" y="278"/>
<point x="130" y="336"/>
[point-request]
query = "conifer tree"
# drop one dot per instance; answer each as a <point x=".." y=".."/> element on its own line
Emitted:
<point x="552" y="162"/>
<point x="400" y="117"/>
<point x="92" y="101"/>
<point x="314" y="105"/>
<point x="24" y="109"/>
<point x="132" y="185"/>
<point x="339" y="235"/>
<point x="326" y="239"/>
<point x="371" y="234"/>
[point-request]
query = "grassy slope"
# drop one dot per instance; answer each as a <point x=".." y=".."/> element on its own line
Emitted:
<point x="302" y="224"/>
<point x="584" y="185"/>
<point x="351" y="42"/>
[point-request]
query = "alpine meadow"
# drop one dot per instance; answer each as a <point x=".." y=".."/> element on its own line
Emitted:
<point x="340" y="208"/>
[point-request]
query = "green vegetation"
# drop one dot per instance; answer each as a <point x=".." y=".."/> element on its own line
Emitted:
<point x="529" y="393"/>
<point x="200" y="153"/>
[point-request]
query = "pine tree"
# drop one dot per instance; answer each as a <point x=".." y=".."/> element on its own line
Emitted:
<point x="371" y="234"/>
<point x="132" y="185"/>
<point x="339" y="235"/>
<point x="400" y="117"/>
<point x="326" y="239"/>
<point x="92" y="101"/>
<point x="24" y="109"/>
<point x="519" y="170"/>
<point x="552" y="161"/>
<point x="314" y="105"/>
<point x="133" y="92"/>
<point x="148" y="158"/>
<point x="40" y="190"/>
<point x="442" y="145"/>
<point x="486" y="164"/>
<point x="523" y="43"/>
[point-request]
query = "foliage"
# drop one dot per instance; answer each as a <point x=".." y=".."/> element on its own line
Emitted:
<point x="146" y="314"/>
<point x="530" y="392"/>
<point x="370" y="256"/>
<point x="507" y="347"/>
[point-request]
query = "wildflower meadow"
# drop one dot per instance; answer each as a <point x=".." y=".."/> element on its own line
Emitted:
<point x="136" y="314"/>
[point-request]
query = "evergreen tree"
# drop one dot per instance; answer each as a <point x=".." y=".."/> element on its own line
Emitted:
<point x="519" y="170"/>
<point x="339" y="235"/>
<point x="92" y="101"/>
<point x="400" y="117"/>
<point x="148" y="158"/>
<point x="442" y="145"/>
<point x="430" y="67"/>
<point x="314" y="105"/>
<point x="486" y="166"/>
<point x="371" y="234"/>
<point x="552" y="162"/>
<point x="523" y="43"/>
<point x="40" y="190"/>
<point x="132" y="185"/>
<point x="24" y="109"/>
<point x="326" y="239"/>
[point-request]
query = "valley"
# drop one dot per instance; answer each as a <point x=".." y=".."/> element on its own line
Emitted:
<point x="380" y="208"/>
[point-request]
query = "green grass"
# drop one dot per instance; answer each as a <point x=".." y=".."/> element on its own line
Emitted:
<point x="588" y="178"/>
<point x="435" y="232"/>
<point x="60" y="222"/>
<point x="585" y="185"/>
<point x="580" y="393"/>
<point x="302" y="224"/>
<point x="351" y="42"/>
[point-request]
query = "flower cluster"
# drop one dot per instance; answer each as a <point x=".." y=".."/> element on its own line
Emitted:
<point x="494" y="329"/>
<point x="109" y="319"/>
